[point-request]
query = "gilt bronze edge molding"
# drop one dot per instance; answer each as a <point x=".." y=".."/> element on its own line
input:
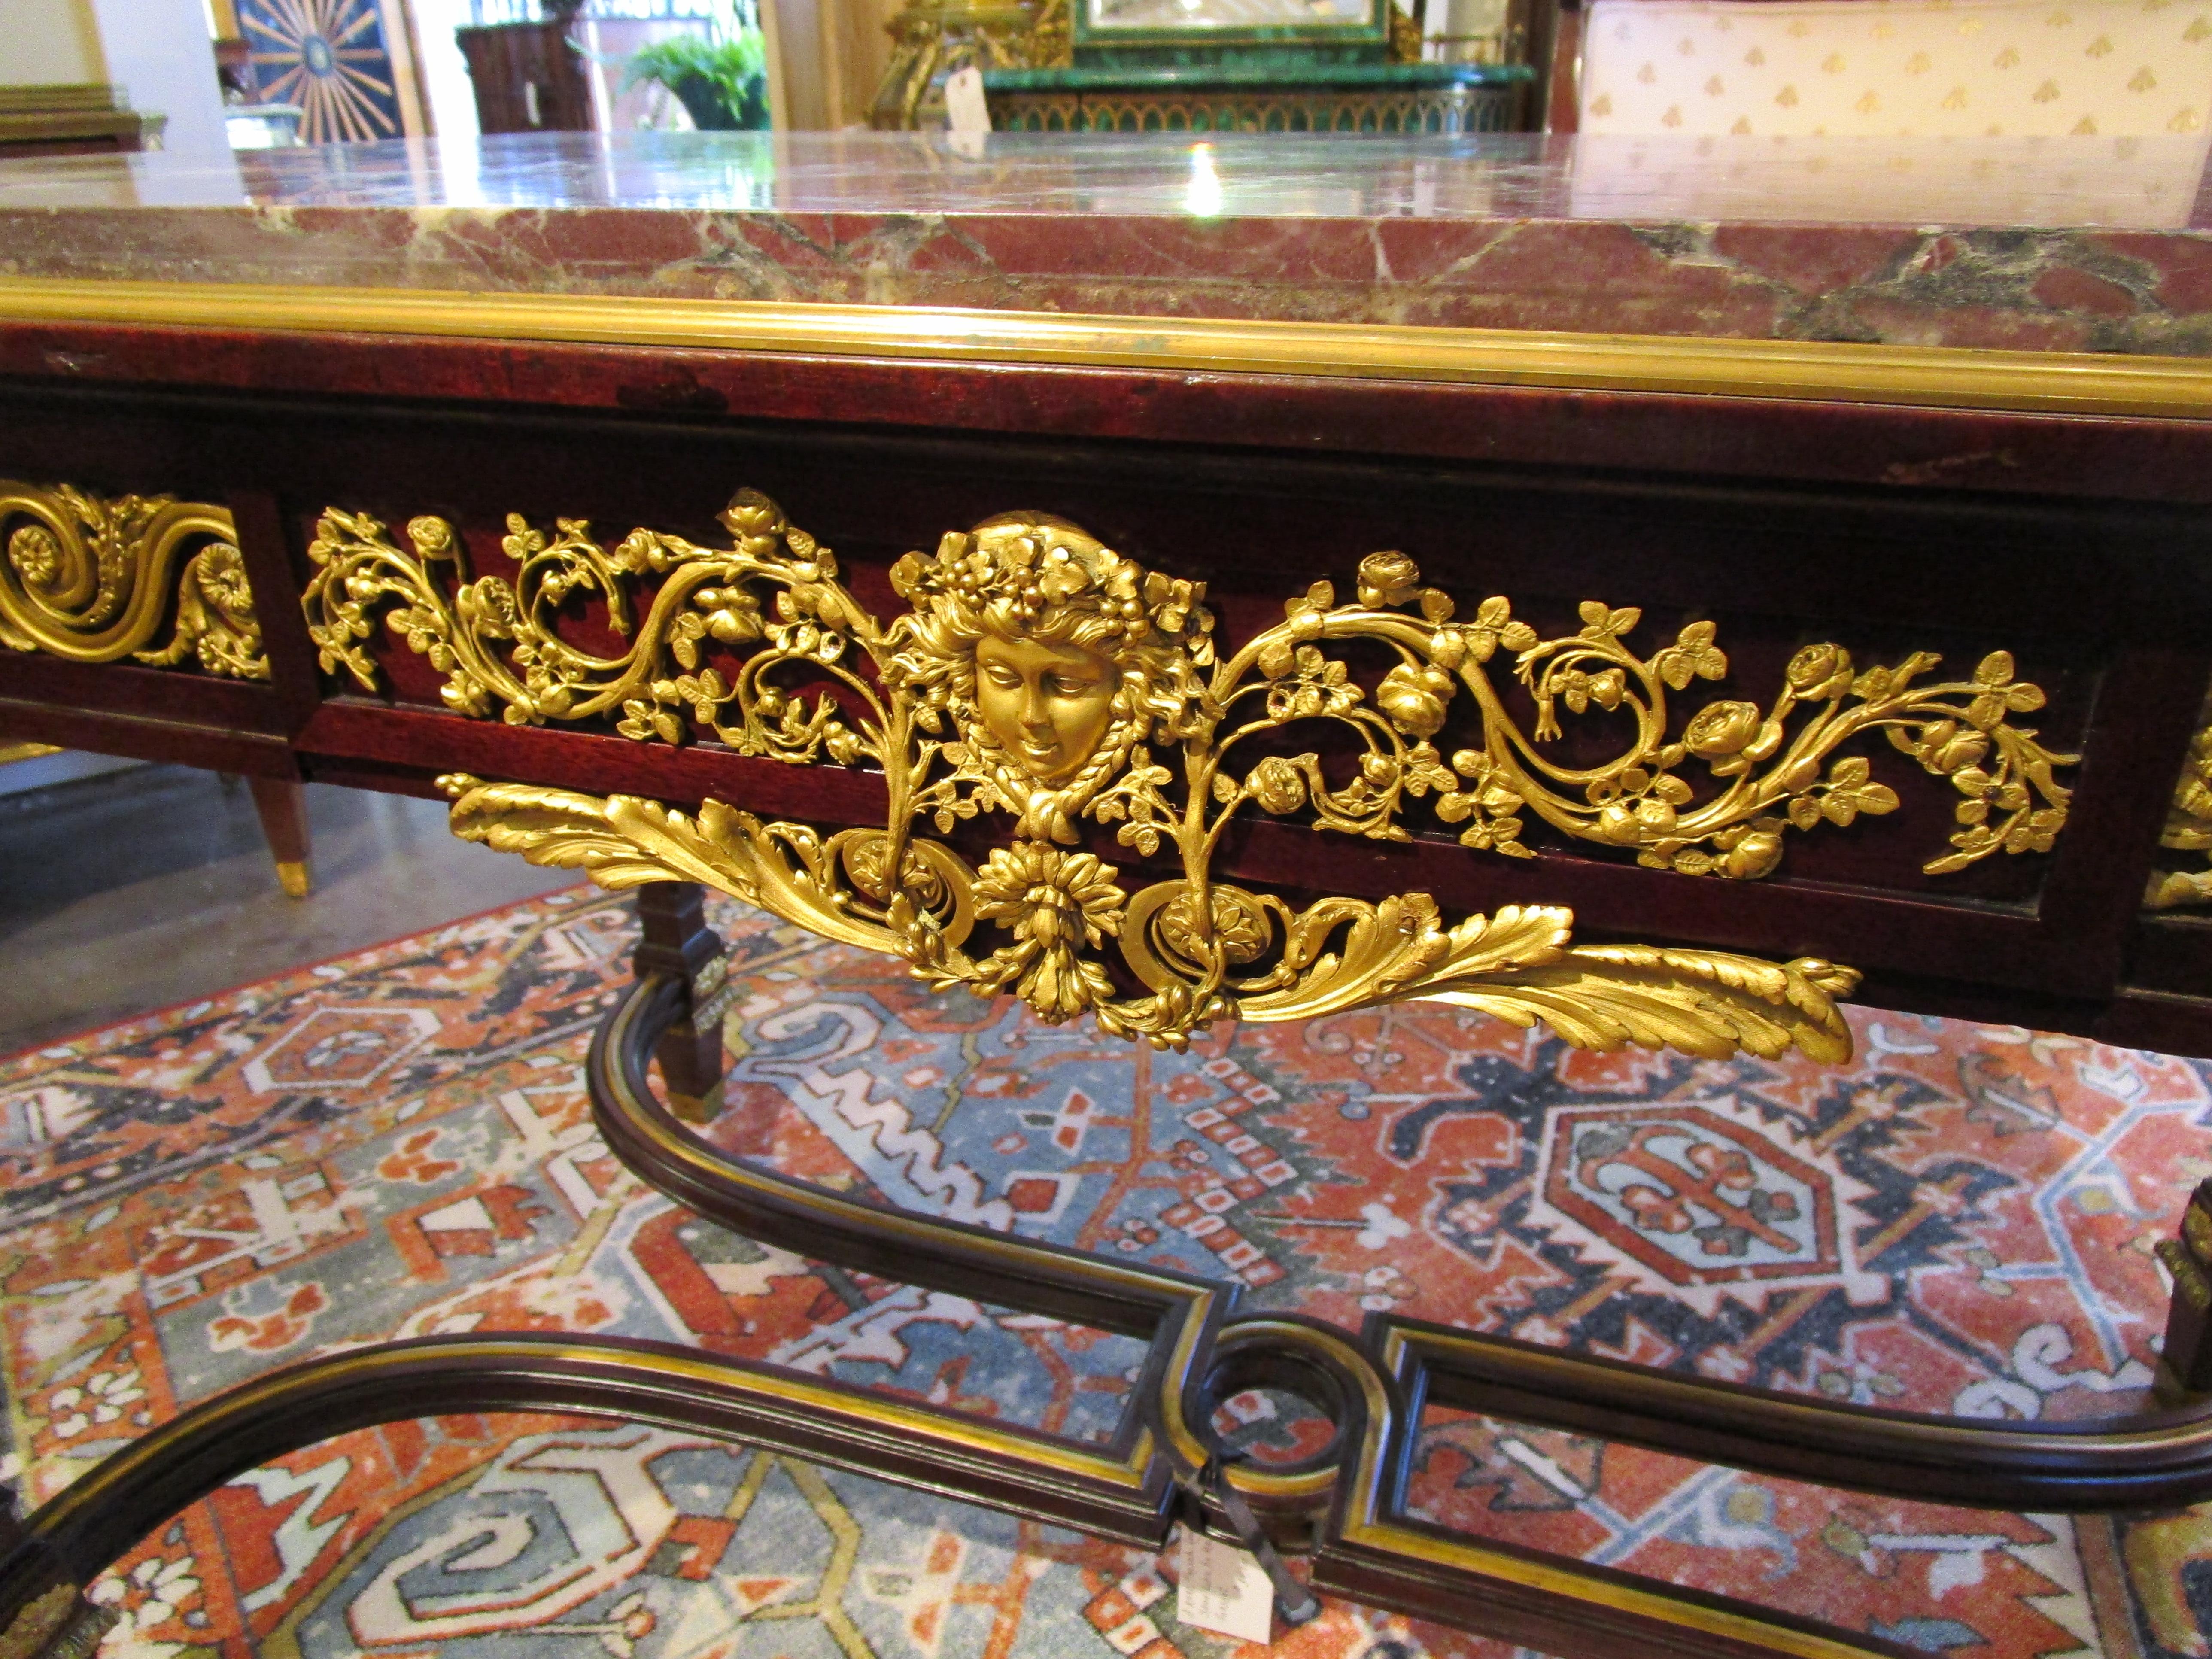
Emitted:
<point x="91" y="579"/>
<point x="2081" y="383"/>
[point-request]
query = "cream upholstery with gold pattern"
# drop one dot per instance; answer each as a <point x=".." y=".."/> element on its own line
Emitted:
<point x="2076" y="182"/>
<point x="1898" y="68"/>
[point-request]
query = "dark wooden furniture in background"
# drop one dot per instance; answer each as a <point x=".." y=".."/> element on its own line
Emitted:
<point x="529" y="77"/>
<point x="71" y="120"/>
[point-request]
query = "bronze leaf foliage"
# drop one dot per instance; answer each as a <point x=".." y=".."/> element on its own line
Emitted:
<point x="1042" y="677"/>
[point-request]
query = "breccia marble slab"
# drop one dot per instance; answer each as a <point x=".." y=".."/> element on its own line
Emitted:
<point x="2065" y="245"/>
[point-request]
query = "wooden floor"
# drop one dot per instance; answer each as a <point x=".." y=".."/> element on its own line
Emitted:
<point x="136" y="889"/>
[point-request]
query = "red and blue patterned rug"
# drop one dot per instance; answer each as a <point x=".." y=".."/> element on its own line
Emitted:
<point x="398" y="1142"/>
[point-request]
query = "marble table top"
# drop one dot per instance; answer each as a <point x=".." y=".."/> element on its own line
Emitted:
<point x="2052" y="244"/>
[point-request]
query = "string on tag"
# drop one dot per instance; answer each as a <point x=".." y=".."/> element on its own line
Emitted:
<point x="1294" y="1603"/>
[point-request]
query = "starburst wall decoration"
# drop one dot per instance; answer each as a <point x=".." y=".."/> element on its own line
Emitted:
<point x="328" y="57"/>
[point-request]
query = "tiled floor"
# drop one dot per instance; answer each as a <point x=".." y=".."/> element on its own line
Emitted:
<point x="127" y="892"/>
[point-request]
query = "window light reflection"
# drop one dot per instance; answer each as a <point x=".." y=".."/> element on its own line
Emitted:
<point x="1203" y="198"/>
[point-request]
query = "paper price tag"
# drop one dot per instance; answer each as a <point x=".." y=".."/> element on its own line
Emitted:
<point x="1223" y="1590"/>
<point x="964" y="108"/>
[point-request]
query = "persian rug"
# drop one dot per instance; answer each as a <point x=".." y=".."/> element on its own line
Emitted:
<point x="398" y="1142"/>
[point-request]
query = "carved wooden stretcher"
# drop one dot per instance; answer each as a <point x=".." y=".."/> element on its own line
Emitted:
<point x="1416" y="683"/>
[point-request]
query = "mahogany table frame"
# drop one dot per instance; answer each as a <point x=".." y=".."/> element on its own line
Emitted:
<point x="276" y="411"/>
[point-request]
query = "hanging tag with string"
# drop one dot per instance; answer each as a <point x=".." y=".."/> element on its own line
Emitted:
<point x="1230" y="1591"/>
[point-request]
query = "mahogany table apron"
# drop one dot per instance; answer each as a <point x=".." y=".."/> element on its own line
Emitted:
<point x="1189" y="675"/>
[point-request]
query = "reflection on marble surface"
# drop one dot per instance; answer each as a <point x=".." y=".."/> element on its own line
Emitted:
<point x="2149" y="183"/>
<point x="2043" y="183"/>
<point x="2055" y="244"/>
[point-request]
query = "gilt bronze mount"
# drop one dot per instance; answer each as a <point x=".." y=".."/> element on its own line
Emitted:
<point x="93" y="579"/>
<point x="1040" y="677"/>
<point x="2188" y="827"/>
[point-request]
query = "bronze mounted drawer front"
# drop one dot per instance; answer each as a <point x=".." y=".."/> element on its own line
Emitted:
<point x="1042" y="676"/>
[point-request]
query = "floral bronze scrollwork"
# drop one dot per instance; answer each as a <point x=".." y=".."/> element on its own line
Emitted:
<point x="90" y="579"/>
<point x="1775" y="769"/>
<point x="2188" y="826"/>
<point x="1039" y="675"/>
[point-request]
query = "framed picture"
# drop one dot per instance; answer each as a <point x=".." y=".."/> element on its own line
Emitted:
<point x="1155" y="24"/>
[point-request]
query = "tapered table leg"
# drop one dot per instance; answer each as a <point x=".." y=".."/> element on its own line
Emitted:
<point x="282" y="804"/>
<point x="678" y="941"/>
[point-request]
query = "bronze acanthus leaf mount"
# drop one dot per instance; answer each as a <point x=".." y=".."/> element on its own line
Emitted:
<point x="90" y="579"/>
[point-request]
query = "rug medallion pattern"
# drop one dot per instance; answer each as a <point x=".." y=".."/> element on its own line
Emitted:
<point x="398" y="1142"/>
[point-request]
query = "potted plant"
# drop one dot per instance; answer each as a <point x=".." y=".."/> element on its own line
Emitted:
<point x="721" y="80"/>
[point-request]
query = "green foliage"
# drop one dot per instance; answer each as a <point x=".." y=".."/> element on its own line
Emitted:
<point x="731" y="72"/>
